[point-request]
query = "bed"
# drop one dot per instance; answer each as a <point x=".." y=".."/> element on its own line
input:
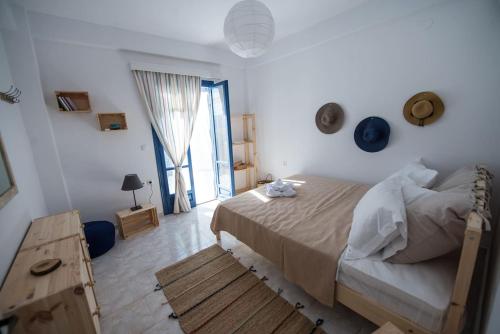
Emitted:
<point x="308" y="234"/>
<point x="301" y="235"/>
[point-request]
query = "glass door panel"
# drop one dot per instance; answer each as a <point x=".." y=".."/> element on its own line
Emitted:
<point x="223" y="144"/>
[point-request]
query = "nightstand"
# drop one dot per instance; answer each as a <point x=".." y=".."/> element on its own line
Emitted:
<point x="132" y="222"/>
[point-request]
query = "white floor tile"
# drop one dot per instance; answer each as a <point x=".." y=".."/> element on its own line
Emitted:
<point x="125" y="277"/>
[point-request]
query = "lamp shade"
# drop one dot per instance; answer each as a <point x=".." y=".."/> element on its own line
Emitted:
<point x="131" y="182"/>
<point x="249" y="28"/>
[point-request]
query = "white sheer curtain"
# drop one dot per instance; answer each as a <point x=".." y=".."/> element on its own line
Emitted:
<point x="172" y="103"/>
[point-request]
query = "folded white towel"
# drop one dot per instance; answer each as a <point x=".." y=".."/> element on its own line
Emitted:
<point x="279" y="188"/>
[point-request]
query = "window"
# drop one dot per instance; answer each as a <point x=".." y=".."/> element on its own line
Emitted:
<point x="171" y="174"/>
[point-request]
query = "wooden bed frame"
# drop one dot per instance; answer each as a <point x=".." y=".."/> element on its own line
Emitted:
<point x="476" y="222"/>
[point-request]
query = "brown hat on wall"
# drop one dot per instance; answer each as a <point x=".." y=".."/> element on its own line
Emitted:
<point x="423" y="108"/>
<point x="329" y="118"/>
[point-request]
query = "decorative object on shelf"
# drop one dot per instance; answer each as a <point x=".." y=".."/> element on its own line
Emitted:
<point x="132" y="182"/>
<point x="75" y="102"/>
<point x="45" y="267"/>
<point x="8" y="187"/>
<point x="240" y="165"/>
<point x="330" y="118"/>
<point x="423" y="108"/>
<point x="112" y="121"/>
<point x="268" y="179"/>
<point x="249" y="28"/>
<point x="11" y="96"/>
<point x="372" y="134"/>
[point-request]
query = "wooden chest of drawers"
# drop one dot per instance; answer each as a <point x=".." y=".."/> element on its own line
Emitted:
<point x="62" y="301"/>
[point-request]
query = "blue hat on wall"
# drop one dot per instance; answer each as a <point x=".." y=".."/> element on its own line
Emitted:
<point x="372" y="134"/>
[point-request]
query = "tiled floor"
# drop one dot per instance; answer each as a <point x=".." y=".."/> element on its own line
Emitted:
<point x="125" y="278"/>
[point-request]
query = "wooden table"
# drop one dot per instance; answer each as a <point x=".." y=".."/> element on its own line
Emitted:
<point x="132" y="222"/>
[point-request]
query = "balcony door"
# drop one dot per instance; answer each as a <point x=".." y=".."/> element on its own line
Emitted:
<point x="215" y="103"/>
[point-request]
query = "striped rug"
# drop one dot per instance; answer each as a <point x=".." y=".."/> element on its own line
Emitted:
<point x="211" y="292"/>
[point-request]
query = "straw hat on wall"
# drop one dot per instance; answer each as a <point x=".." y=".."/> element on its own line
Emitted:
<point x="423" y="109"/>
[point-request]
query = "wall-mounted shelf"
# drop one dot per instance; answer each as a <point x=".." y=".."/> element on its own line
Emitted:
<point x="244" y="142"/>
<point x="112" y="121"/>
<point x="73" y="101"/>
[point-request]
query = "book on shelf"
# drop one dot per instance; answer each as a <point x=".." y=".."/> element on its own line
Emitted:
<point x="63" y="104"/>
<point x="70" y="102"/>
<point x="66" y="103"/>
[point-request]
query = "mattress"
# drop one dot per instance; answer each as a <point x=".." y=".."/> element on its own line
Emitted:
<point x="304" y="236"/>
<point x="420" y="292"/>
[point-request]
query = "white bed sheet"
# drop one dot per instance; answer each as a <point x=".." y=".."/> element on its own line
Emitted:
<point x="420" y="292"/>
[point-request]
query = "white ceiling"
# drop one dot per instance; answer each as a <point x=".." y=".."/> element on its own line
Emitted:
<point x="197" y="21"/>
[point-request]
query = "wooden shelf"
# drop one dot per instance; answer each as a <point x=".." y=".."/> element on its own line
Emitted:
<point x="243" y="116"/>
<point x="79" y="99"/>
<point x="106" y="120"/>
<point x="243" y="142"/>
<point x="245" y="152"/>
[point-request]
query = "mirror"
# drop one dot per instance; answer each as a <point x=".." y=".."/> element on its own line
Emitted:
<point x="8" y="187"/>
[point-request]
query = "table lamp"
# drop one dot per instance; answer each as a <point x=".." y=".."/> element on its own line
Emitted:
<point x="132" y="182"/>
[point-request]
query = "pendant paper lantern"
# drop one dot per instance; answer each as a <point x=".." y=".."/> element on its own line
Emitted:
<point x="249" y="28"/>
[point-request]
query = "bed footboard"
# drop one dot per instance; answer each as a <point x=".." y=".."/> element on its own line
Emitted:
<point x="477" y="220"/>
<point x="374" y="311"/>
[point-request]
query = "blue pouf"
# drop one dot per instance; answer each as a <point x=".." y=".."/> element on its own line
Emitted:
<point x="100" y="236"/>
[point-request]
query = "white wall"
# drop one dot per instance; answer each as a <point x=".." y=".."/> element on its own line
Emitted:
<point x="374" y="72"/>
<point x="29" y="203"/>
<point x="25" y="72"/>
<point x="452" y="48"/>
<point x="95" y="162"/>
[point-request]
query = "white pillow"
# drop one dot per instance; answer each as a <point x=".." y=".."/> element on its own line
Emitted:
<point x="418" y="173"/>
<point x="379" y="222"/>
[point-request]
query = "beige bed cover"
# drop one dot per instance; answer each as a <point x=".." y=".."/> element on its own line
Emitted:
<point x="304" y="235"/>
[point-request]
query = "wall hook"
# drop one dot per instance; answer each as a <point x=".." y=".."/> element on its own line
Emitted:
<point x="11" y="96"/>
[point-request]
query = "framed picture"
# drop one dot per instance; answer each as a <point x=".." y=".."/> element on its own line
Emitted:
<point x="8" y="188"/>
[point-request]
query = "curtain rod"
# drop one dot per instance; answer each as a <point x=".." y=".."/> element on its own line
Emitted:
<point x="178" y="69"/>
